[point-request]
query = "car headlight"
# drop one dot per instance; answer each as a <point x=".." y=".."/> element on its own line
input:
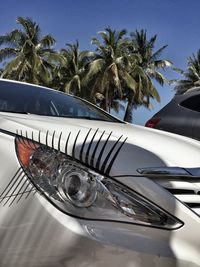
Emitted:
<point x="84" y="193"/>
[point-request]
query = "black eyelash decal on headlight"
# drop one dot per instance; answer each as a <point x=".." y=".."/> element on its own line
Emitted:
<point x="74" y="145"/>
<point x="89" y="147"/>
<point x="59" y="140"/>
<point x="90" y="152"/>
<point x="109" y="154"/>
<point x="66" y="144"/>
<point x="102" y="151"/>
<point x="82" y="148"/>
<point x="47" y="138"/>
<point x="115" y="156"/>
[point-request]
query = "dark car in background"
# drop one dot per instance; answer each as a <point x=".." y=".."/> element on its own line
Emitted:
<point x="181" y="115"/>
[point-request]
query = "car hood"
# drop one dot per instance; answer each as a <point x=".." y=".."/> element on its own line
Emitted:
<point x="111" y="148"/>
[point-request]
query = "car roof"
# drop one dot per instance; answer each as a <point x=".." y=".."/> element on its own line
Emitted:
<point x="23" y="83"/>
<point x="189" y="92"/>
<point x="14" y="83"/>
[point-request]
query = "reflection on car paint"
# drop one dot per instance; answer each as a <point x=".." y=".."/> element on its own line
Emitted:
<point x="18" y="187"/>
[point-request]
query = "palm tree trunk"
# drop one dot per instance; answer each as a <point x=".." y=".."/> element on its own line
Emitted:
<point x="105" y="104"/>
<point x="128" y="116"/>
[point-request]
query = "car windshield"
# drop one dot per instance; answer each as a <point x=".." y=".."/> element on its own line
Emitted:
<point x="28" y="99"/>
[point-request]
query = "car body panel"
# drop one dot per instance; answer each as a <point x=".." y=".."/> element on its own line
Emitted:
<point x="177" y="118"/>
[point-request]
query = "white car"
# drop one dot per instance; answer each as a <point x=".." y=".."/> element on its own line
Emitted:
<point x="80" y="188"/>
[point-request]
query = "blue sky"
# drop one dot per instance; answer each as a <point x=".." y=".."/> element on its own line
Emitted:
<point x="176" y="22"/>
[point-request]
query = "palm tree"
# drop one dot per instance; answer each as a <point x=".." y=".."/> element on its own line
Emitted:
<point x="191" y="75"/>
<point x="69" y="74"/>
<point x="150" y="59"/>
<point x="107" y="73"/>
<point x="140" y="96"/>
<point x="144" y="72"/>
<point x="31" y="57"/>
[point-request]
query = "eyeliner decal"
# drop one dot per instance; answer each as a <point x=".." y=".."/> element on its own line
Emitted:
<point x="32" y="136"/>
<point x="66" y="145"/>
<point x="47" y="138"/>
<point x="74" y="146"/>
<point x="109" y="158"/>
<point x="59" y="140"/>
<point x="52" y="141"/>
<point x="95" y="149"/>
<point x="83" y="145"/>
<point x="89" y="147"/>
<point x="109" y="154"/>
<point x="114" y="157"/>
<point x="39" y="137"/>
<point x="102" y="150"/>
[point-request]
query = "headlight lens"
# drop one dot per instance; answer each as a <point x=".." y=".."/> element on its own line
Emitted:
<point x="79" y="191"/>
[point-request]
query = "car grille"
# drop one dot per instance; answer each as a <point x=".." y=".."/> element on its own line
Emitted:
<point x="187" y="190"/>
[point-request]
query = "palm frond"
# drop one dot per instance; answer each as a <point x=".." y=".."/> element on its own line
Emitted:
<point x="158" y="53"/>
<point x="11" y="38"/>
<point x="162" y="64"/>
<point x="13" y="65"/>
<point x="47" y="41"/>
<point x="93" y="68"/>
<point x="6" y="53"/>
<point x="129" y="81"/>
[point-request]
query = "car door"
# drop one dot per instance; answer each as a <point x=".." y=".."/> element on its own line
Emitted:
<point x="192" y="105"/>
<point x="176" y="118"/>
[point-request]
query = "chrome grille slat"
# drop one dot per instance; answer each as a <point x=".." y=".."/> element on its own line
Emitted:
<point x="183" y="183"/>
<point x="178" y="184"/>
<point x="178" y="191"/>
<point x="197" y="210"/>
<point x="189" y="198"/>
<point x="187" y="191"/>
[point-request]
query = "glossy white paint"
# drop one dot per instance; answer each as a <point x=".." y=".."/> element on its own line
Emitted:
<point x="34" y="233"/>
